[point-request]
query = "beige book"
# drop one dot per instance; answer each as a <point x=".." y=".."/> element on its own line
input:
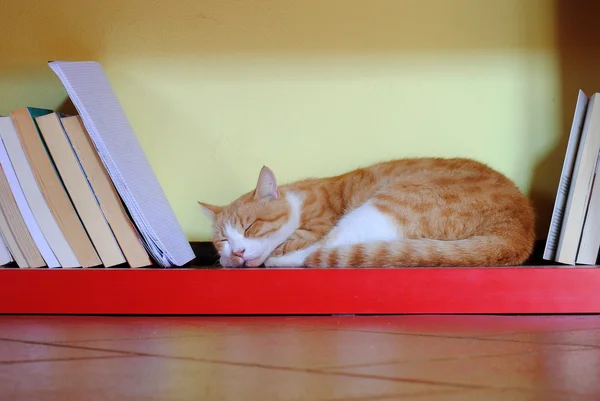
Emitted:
<point x="11" y="242"/>
<point x="79" y="190"/>
<point x="106" y="193"/>
<point x="15" y="224"/>
<point x="49" y="183"/>
<point x="5" y="255"/>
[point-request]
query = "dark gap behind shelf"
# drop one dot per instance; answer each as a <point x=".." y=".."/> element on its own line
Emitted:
<point x="207" y="256"/>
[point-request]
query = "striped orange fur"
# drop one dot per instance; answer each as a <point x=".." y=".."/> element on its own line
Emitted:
<point x="407" y="212"/>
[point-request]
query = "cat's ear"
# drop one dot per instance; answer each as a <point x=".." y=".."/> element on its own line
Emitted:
<point x="210" y="210"/>
<point x="266" y="187"/>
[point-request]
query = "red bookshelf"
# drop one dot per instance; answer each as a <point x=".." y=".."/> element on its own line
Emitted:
<point x="518" y="290"/>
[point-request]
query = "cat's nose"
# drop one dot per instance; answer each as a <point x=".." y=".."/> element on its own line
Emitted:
<point x="239" y="253"/>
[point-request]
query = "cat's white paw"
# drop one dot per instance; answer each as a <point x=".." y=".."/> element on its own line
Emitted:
<point x="272" y="262"/>
<point x="292" y="259"/>
<point x="284" y="261"/>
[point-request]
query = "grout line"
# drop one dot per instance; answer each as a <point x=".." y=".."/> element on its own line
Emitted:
<point x="444" y="359"/>
<point x="20" y="361"/>
<point x="232" y="333"/>
<point x="450" y="336"/>
<point x="396" y="396"/>
<point x="543" y="332"/>
<point x="50" y="344"/>
<point x="132" y="338"/>
<point x="482" y="338"/>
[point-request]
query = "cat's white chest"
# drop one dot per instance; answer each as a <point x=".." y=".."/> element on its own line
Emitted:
<point x="364" y="224"/>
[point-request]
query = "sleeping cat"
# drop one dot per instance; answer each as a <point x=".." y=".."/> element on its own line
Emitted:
<point x="407" y="212"/>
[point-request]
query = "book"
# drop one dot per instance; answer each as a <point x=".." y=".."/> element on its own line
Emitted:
<point x="564" y="185"/>
<point x="24" y="208"/>
<point x="105" y="192"/>
<point x="79" y="190"/>
<point x="124" y="159"/>
<point x="581" y="185"/>
<point x="15" y="224"/>
<point x="49" y="182"/>
<point x="5" y="256"/>
<point x="11" y="241"/>
<point x="589" y="244"/>
<point x="34" y="197"/>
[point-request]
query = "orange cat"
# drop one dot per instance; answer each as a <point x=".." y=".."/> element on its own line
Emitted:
<point x="408" y="212"/>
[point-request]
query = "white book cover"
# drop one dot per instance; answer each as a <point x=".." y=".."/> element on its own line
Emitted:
<point x="565" y="177"/>
<point x="5" y="256"/>
<point x="90" y="91"/>
<point x="50" y="240"/>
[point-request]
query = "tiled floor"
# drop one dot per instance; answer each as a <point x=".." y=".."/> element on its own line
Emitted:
<point x="426" y="358"/>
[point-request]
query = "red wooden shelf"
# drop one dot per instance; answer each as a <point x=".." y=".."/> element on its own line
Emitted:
<point x="519" y="290"/>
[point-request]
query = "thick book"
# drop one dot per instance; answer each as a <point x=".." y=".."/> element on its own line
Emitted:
<point x="5" y="256"/>
<point x="15" y="224"/>
<point x="11" y="241"/>
<point x="105" y="193"/>
<point x="121" y="153"/>
<point x="79" y="190"/>
<point x="564" y="185"/>
<point x="34" y="197"/>
<point x="581" y="185"/>
<point x="49" y="182"/>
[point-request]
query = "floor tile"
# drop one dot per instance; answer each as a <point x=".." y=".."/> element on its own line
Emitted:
<point x="14" y="352"/>
<point x="321" y="349"/>
<point x="482" y="395"/>
<point x="316" y="358"/>
<point x="550" y="370"/>
<point x="163" y="379"/>
<point x="451" y="325"/>
<point x="589" y="337"/>
<point x="92" y="328"/>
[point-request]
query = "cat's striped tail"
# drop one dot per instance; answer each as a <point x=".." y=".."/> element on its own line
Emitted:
<point x="474" y="251"/>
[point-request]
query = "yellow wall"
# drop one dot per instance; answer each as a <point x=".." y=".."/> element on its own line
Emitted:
<point x="216" y="88"/>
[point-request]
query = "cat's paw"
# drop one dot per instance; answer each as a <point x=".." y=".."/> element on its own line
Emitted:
<point x="273" y="261"/>
<point x="289" y="260"/>
<point x="292" y="259"/>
